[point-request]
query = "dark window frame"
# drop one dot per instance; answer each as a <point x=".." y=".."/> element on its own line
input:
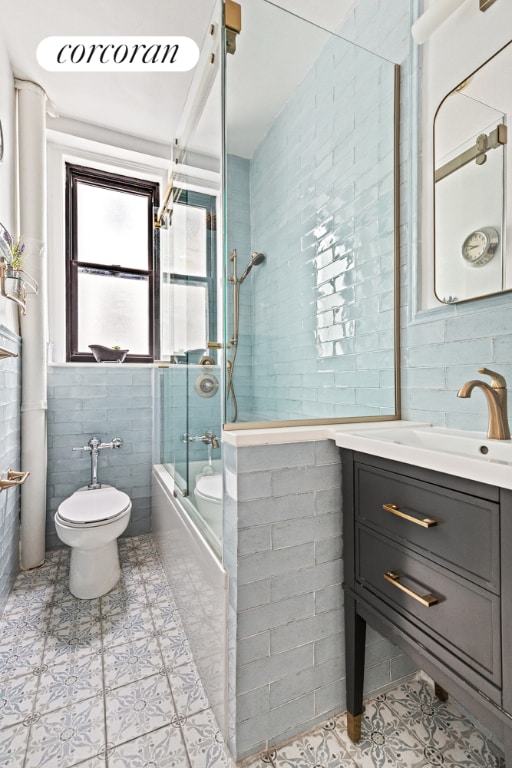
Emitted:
<point x="78" y="174"/>
<point x="208" y="203"/>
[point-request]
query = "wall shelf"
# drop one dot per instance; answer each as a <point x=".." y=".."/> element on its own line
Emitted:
<point x="16" y="285"/>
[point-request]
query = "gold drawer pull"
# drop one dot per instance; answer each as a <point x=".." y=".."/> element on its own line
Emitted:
<point x="425" y="522"/>
<point x="427" y="600"/>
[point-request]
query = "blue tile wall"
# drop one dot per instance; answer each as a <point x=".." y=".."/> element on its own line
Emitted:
<point x="283" y="553"/>
<point x="238" y="235"/>
<point x="106" y="401"/>
<point x="10" y="397"/>
<point x="321" y="209"/>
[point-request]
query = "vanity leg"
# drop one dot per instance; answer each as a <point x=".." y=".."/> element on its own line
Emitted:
<point x="440" y="692"/>
<point x="355" y="636"/>
<point x="507" y="746"/>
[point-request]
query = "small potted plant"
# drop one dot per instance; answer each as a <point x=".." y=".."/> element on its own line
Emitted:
<point x="108" y="354"/>
<point x="13" y="253"/>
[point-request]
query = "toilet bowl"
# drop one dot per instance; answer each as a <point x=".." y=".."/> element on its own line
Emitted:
<point x="90" y="522"/>
<point x="208" y="495"/>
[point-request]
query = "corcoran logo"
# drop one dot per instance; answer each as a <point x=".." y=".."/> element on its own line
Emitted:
<point x="117" y="54"/>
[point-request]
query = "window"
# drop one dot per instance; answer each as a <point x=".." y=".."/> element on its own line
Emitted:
<point x="188" y="290"/>
<point x="112" y="260"/>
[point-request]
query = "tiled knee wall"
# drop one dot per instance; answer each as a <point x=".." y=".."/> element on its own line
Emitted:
<point x="286" y="603"/>
<point x="106" y="401"/>
<point x="10" y="395"/>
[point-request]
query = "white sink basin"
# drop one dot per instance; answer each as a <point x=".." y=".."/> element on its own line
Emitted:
<point x="455" y="452"/>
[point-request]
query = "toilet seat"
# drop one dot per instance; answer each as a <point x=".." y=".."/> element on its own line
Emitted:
<point x="92" y="507"/>
<point x="210" y="487"/>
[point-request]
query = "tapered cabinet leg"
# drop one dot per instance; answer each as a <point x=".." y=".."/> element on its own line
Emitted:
<point x="440" y="692"/>
<point x="507" y="745"/>
<point x="355" y="636"/>
<point x="354" y="727"/>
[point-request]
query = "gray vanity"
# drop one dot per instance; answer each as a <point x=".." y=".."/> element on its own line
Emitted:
<point x="428" y="563"/>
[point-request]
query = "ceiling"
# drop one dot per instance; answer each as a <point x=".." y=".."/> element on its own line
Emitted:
<point x="149" y="105"/>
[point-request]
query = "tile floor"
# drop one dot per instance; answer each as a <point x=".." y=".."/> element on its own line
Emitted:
<point x="111" y="683"/>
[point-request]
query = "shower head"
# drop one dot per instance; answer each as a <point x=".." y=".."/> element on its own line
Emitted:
<point x="256" y="258"/>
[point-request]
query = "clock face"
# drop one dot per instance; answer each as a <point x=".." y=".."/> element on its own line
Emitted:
<point x="480" y="246"/>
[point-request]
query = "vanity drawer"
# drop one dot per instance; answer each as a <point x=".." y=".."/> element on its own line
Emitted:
<point x="455" y="529"/>
<point x="463" y="617"/>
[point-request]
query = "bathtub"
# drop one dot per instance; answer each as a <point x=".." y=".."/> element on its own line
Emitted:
<point x="190" y="554"/>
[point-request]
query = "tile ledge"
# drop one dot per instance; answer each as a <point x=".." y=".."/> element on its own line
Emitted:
<point x="245" y="438"/>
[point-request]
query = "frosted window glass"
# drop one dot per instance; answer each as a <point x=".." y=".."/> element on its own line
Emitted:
<point x="185" y="312"/>
<point x="187" y="242"/>
<point x="113" y="311"/>
<point x="112" y="227"/>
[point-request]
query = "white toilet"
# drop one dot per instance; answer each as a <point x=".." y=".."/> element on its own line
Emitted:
<point x="208" y="495"/>
<point x="90" y="521"/>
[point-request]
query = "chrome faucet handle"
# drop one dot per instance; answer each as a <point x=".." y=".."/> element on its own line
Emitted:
<point x="82" y="448"/>
<point x="116" y="442"/>
<point x="498" y="381"/>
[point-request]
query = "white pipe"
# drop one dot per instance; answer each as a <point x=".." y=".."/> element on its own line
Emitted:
<point x="34" y="325"/>
<point x="433" y="17"/>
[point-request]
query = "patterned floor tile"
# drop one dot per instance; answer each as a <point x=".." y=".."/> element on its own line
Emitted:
<point x="138" y="708"/>
<point x="433" y="722"/>
<point x="67" y="736"/>
<point x="69" y="682"/>
<point x="204" y="742"/>
<point x="159" y="591"/>
<point x="123" y="597"/>
<point x="13" y="745"/>
<point x="17" y="699"/>
<point x="133" y="661"/>
<point x="474" y="751"/>
<point x="384" y="741"/>
<point x="22" y="624"/>
<point x="166" y="616"/>
<point x="163" y="748"/>
<point x="320" y="749"/>
<point x="72" y="642"/>
<point x="187" y="690"/>
<point x="36" y="577"/>
<point x="74" y="611"/>
<point x="120" y="628"/>
<point x="95" y="762"/>
<point x="175" y="649"/>
<point x="21" y="656"/>
<point x="28" y="600"/>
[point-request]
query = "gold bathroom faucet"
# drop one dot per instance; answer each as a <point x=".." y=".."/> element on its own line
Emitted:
<point x="496" y="396"/>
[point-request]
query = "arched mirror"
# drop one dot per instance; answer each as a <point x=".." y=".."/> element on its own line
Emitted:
<point x="470" y="185"/>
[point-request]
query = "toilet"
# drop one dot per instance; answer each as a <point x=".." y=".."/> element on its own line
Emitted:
<point x="208" y="495"/>
<point x="90" y="522"/>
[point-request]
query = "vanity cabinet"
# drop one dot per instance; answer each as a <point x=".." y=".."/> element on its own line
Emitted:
<point x="428" y="562"/>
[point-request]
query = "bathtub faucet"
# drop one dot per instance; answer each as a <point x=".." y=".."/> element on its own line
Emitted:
<point x="208" y="439"/>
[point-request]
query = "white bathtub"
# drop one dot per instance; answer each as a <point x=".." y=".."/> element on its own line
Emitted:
<point x="199" y="583"/>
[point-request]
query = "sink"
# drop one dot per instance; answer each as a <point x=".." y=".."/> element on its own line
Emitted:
<point x="454" y="452"/>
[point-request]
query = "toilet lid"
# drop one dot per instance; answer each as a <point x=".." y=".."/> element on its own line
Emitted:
<point x="94" y="506"/>
<point x="210" y="486"/>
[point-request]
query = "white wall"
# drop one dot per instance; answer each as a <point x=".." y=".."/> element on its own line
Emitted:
<point x="8" y="310"/>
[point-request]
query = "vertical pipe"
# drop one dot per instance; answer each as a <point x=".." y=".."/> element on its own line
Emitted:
<point x="31" y="101"/>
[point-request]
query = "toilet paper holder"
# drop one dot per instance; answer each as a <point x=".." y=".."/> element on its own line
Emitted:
<point x="13" y="478"/>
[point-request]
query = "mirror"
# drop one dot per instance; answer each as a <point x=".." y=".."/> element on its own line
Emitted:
<point x="470" y="185"/>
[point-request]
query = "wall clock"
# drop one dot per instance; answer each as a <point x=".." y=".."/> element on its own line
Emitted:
<point x="480" y="246"/>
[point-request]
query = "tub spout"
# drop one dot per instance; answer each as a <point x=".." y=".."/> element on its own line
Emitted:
<point x="496" y="396"/>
